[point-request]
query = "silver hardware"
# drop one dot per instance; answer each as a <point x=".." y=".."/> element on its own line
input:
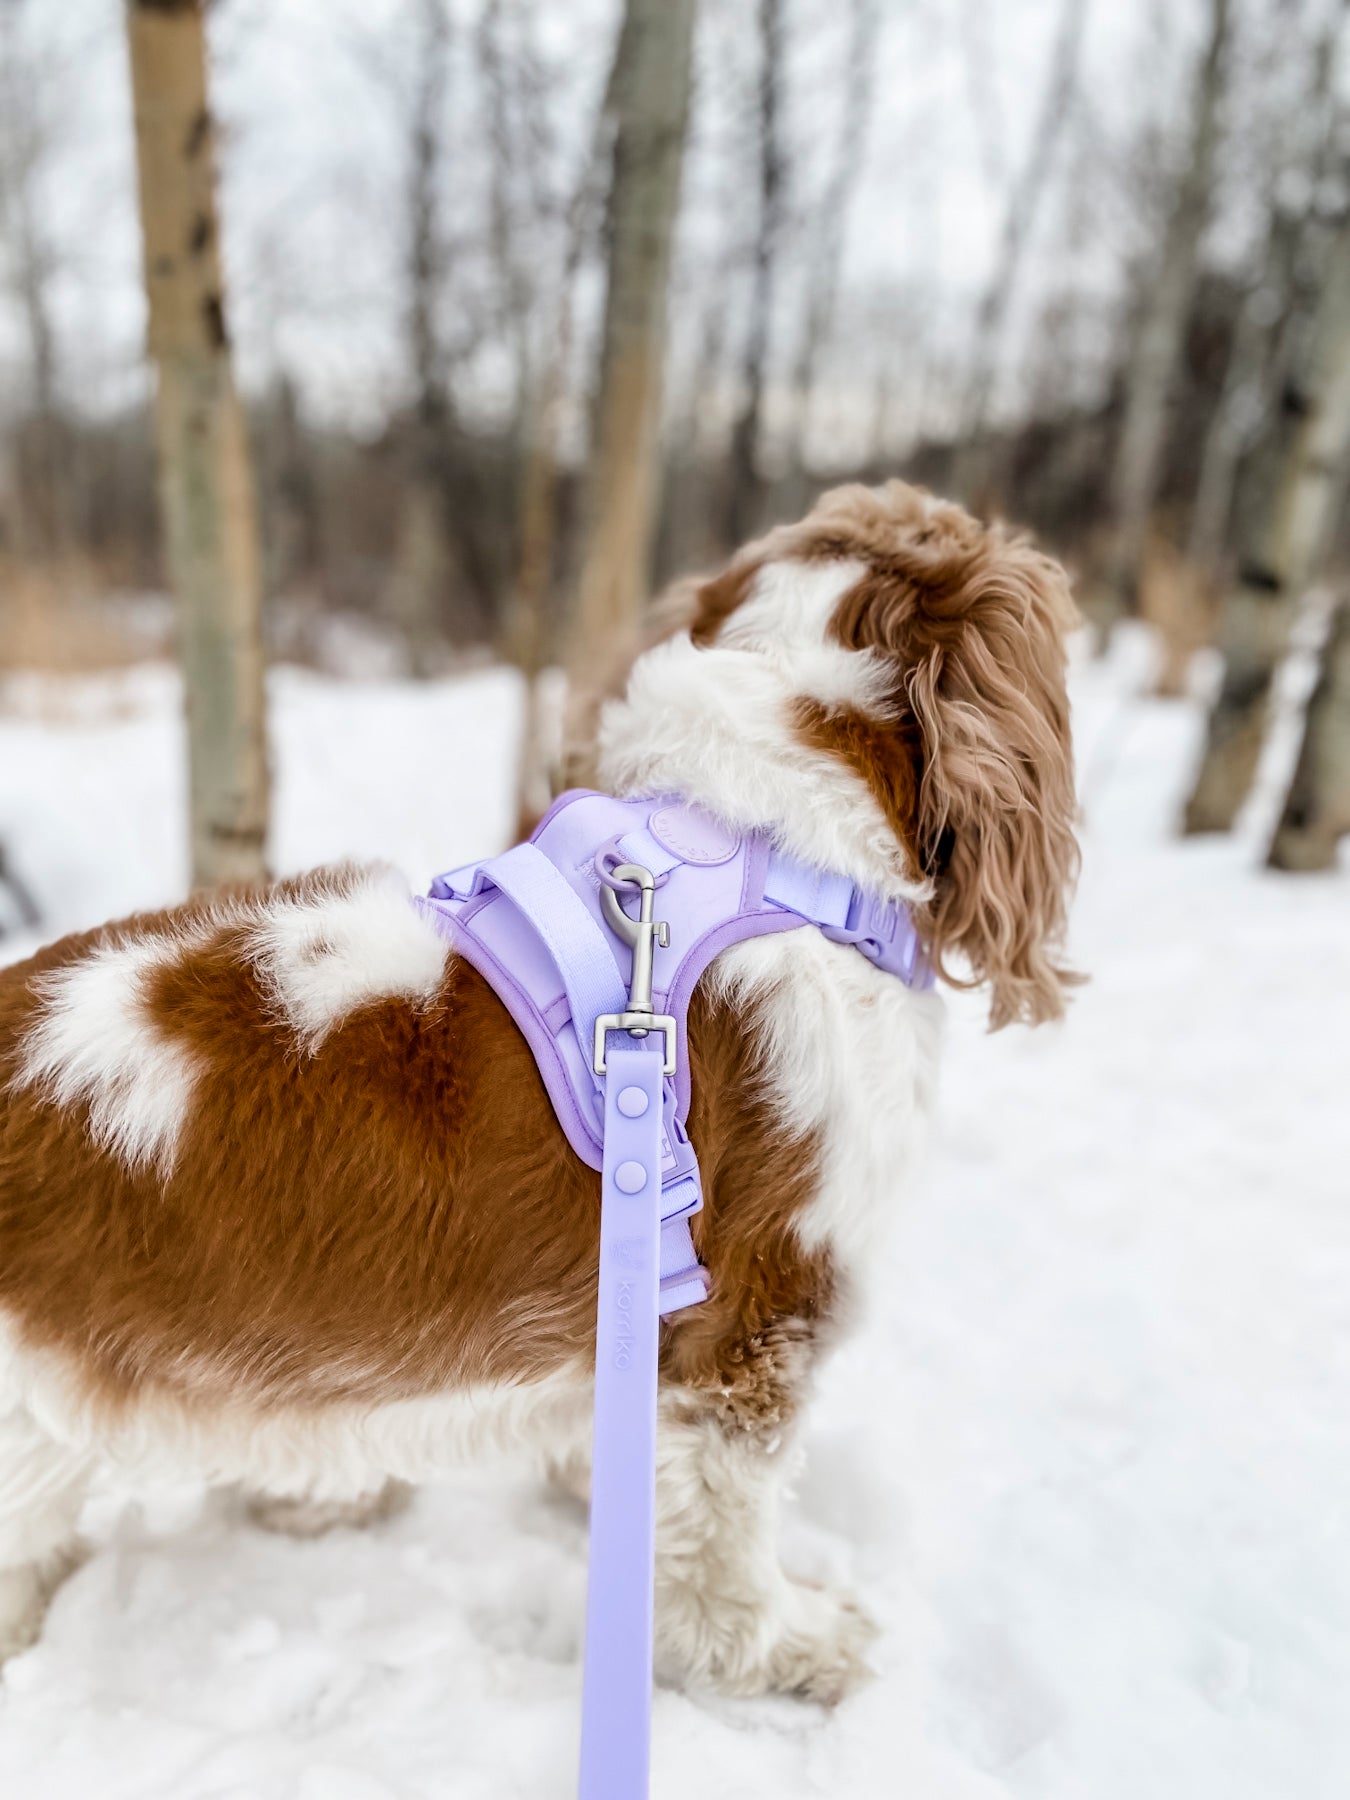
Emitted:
<point x="642" y="935"/>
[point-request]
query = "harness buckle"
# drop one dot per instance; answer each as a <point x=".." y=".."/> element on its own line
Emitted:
<point x="642" y="935"/>
<point x="636" y="1024"/>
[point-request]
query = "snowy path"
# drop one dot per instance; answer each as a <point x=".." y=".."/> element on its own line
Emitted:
<point x="1092" y="1464"/>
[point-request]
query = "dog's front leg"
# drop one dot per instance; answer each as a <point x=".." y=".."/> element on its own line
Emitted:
<point x="727" y="1614"/>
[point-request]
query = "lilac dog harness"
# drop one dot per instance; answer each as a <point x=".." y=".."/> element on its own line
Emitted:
<point x="546" y="926"/>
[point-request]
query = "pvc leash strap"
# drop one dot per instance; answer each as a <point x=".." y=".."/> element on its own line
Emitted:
<point x="617" y="1680"/>
<point x="617" y="1673"/>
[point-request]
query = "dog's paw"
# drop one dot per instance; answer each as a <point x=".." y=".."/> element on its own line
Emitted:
<point x="792" y="1639"/>
<point x="821" y="1653"/>
<point x="23" y="1606"/>
<point x="307" y="1518"/>
<point x="571" y="1474"/>
<point x="25" y="1595"/>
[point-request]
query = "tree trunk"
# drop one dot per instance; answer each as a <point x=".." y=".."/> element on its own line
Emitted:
<point x="1316" y="811"/>
<point x="651" y="112"/>
<point x="423" y="564"/>
<point x="42" y="514"/>
<point x="860" y="84"/>
<point x="1291" y="524"/>
<point x="744" y="489"/>
<point x="1236" y="415"/>
<point x="1161" y="334"/>
<point x="1259" y="352"/>
<point x="206" y="487"/>
<point x="974" y="474"/>
<point x="531" y="639"/>
<point x="289" y="513"/>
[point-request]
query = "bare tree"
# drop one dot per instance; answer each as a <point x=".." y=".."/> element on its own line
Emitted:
<point x="206" y="482"/>
<point x="518" y="144"/>
<point x="1023" y="205"/>
<point x="1288" y="529"/>
<point x="1252" y="376"/>
<point x="1258" y="353"/>
<point x="651" y="108"/>
<point x="744" y="492"/>
<point x="529" y="636"/>
<point x="424" y="565"/>
<point x="860" y="88"/>
<point x="1316" y="811"/>
<point x="1167" y="310"/>
<point x="43" y="523"/>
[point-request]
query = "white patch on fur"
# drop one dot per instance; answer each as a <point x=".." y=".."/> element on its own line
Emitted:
<point x="331" y="1451"/>
<point x="849" y="1054"/>
<point x="322" y="956"/>
<point x="716" y="726"/>
<point x="42" y="1485"/>
<point x="95" y="1041"/>
<point x="353" y="939"/>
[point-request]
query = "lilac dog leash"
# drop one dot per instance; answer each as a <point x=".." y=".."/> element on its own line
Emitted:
<point x="617" y="1679"/>
<point x="617" y="1691"/>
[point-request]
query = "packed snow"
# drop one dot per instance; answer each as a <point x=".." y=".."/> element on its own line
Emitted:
<point x="1090" y="1462"/>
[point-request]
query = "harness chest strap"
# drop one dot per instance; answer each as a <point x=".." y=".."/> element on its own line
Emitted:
<point x="582" y="957"/>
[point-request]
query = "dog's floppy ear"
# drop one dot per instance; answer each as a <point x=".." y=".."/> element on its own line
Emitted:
<point x="985" y="679"/>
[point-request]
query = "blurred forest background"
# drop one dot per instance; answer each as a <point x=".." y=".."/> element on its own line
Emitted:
<point x="472" y="322"/>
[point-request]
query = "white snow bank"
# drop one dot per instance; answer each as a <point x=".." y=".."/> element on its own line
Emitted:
<point x="1090" y="1466"/>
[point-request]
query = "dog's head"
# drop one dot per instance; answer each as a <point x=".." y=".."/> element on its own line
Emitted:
<point x="883" y="685"/>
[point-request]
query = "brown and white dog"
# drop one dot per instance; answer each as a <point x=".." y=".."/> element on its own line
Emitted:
<point x="282" y="1199"/>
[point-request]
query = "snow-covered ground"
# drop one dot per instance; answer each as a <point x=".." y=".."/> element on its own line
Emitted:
<point x="1091" y="1463"/>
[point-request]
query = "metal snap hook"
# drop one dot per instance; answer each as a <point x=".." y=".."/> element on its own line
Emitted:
<point x="642" y="935"/>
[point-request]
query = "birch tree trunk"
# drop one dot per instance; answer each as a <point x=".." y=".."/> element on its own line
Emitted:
<point x="423" y="563"/>
<point x="206" y="487"/>
<point x="1259" y="353"/>
<point x="651" y="103"/>
<point x="43" y="524"/>
<point x="1316" y="812"/>
<point x="974" y="475"/>
<point x="1287" y="538"/>
<point x="531" y="641"/>
<point x="1161" y="334"/>
<point x="1242" y="403"/>
<point x="860" y="85"/>
<point x="744" y="492"/>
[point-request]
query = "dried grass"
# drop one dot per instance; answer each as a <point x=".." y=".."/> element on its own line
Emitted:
<point x="59" y="619"/>
<point x="1183" y="608"/>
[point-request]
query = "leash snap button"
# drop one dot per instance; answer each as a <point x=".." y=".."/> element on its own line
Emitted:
<point x="630" y="1178"/>
<point x="632" y="1102"/>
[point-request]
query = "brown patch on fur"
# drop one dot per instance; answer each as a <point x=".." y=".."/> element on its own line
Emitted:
<point x="973" y="766"/>
<point x="396" y="1214"/>
<point x="717" y="598"/>
<point x="887" y="753"/>
<point x="748" y="1346"/>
